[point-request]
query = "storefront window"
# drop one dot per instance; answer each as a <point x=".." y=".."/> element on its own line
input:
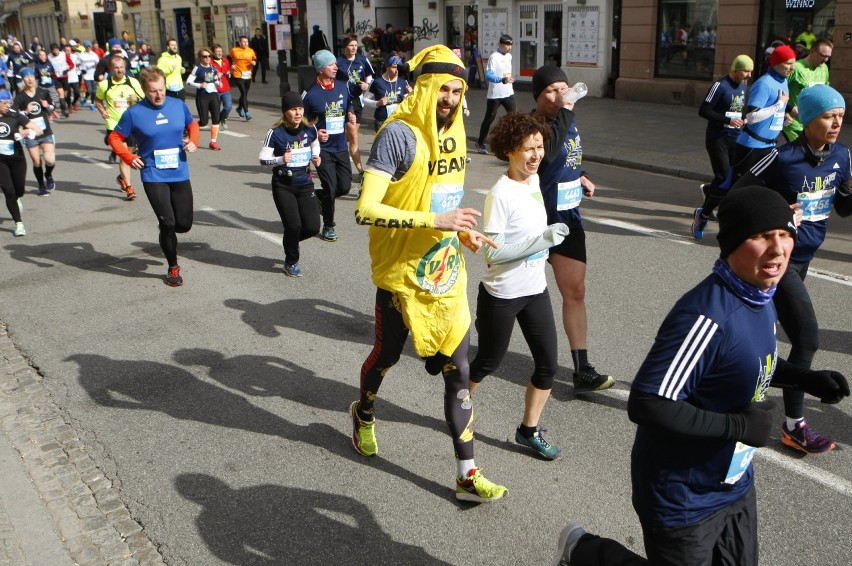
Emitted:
<point x="797" y="23"/>
<point x="686" y="39"/>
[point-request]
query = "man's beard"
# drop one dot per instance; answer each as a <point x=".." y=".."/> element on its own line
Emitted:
<point x="443" y="122"/>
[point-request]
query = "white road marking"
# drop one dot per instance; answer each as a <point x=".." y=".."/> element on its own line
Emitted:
<point x="274" y="238"/>
<point x="234" y="134"/>
<point x="820" y="476"/>
<point x="676" y="238"/>
<point x="830" y="276"/>
<point x="85" y="157"/>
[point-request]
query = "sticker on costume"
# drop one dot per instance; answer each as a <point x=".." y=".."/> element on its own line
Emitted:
<point x="439" y="268"/>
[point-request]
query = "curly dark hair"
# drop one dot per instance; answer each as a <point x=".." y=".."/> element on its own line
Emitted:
<point x="512" y="130"/>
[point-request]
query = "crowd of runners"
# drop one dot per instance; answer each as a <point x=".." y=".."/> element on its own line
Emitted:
<point x="411" y="193"/>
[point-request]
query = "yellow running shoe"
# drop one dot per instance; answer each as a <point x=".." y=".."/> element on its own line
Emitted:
<point x="363" y="433"/>
<point x="478" y="488"/>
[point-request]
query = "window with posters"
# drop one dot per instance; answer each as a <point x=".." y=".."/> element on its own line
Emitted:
<point x="796" y="22"/>
<point x="686" y="38"/>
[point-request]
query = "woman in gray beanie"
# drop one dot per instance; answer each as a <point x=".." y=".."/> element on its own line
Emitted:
<point x="814" y="171"/>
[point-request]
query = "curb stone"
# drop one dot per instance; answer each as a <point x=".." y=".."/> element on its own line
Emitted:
<point x="95" y="527"/>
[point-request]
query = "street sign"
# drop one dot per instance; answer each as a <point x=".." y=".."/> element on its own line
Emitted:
<point x="270" y="8"/>
<point x="289" y="8"/>
<point x="110" y="6"/>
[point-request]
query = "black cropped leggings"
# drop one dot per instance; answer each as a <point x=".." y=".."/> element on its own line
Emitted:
<point x="391" y="334"/>
<point x="495" y="320"/>
<point x="172" y="203"/>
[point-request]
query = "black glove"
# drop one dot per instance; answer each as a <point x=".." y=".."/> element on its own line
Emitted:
<point x="751" y="425"/>
<point x="829" y="385"/>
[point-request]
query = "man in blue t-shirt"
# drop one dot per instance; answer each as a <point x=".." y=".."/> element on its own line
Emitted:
<point x="698" y="401"/>
<point x="327" y="102"/>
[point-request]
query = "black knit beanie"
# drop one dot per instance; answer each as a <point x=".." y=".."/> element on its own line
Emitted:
<point x="546" y="76"/>
<point x="747" y="211"/>
<point x="291" y="99"/>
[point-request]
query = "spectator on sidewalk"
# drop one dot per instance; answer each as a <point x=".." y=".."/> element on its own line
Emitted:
<point x="318" y="41"/>
<point x="498" y="74"/>
<point x="807" y="72"/>
<point x="260" y="45"/>
<point x="698" y="402"/>
<point x="723" y="110"/>
<point x="389" y="43"/>
<point x="807" y="36"/>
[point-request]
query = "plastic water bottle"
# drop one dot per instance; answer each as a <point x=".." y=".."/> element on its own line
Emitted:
<point x="575" y="93"/>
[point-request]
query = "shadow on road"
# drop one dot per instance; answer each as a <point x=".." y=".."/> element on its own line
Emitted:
<point x="174" y="391"/>
<point x="272" y="524"/>
<point x="83" y="255"/>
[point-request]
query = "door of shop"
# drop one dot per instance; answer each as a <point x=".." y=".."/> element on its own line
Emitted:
<point x="539" y="37"/>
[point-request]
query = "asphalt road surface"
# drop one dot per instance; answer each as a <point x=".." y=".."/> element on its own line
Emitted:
<point x="219" y="408"/>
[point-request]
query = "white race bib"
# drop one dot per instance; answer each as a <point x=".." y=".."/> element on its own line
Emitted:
<point x="777" y="122"/>
<point x="743" y="455"/>
<point x="334" y="124"/>
<point x="446" y="197"/>
<point x="46" y="81"/>
<point x="121" y="103"/>
<point x="300" y="157"/>
<point x="569" y="195"/>
<point x="175" y="87"/>
<point x="7" y="147"/>
<point x="816" y="205"/>
<point x="245" y="75"/>
<point x="167" y="158"/>
<point x="732" y="116"/>
<point x="39" y="121"/>
<point x="391" y="108"/>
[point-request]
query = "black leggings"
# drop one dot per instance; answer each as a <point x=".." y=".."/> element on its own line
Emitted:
<point x="391" y="335"/>
<point x="299" y="212"/>
<point x="207" y="105"/>
<point x="492" y="105"/>
<point x="13" y="178"/>
<point x="798" y="319"/>
<point x="335" y="175"/>
<point x="495" y="320"/>
<point x="172" y="203"/>
<point x="243" y="85"/>
<point x="72" y="93"/>
<point x="742" y="160"/>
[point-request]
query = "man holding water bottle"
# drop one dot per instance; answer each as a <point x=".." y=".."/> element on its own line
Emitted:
<point x="563" y="186"/>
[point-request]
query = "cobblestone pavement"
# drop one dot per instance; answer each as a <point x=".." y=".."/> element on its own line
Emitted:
<point x="84" y="510"/>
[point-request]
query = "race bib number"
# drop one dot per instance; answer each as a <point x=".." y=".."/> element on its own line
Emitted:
<point x="391" y="108"/>
<point x="167" y="158"/>
<point x="175" y="87"/>
<point x="39" y="121"/>
<point x="121" y="104"/>
<point x="777" y="122"/>
<point x="569" y="195"/>
<point x="334" y="124"/>
<point x="733" y="116"/>
<point x="743" y="455"/>
<point x="816" y="205"/>
<point x="46" y="81"/>
<point x="446" y="197"/>
<point x="210" y="88"/>
<point x="7" y="147"/>
<point x="245" y="75"/>
<point x="300" y="157"/>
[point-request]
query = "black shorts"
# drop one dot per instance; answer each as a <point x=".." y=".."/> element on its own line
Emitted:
<point x="129" y="140"/>
<point x="357" y="108"/>
<point x="574" y="245"/>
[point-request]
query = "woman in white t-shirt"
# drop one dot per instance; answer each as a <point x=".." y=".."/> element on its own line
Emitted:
<point x="514" y="287"/>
